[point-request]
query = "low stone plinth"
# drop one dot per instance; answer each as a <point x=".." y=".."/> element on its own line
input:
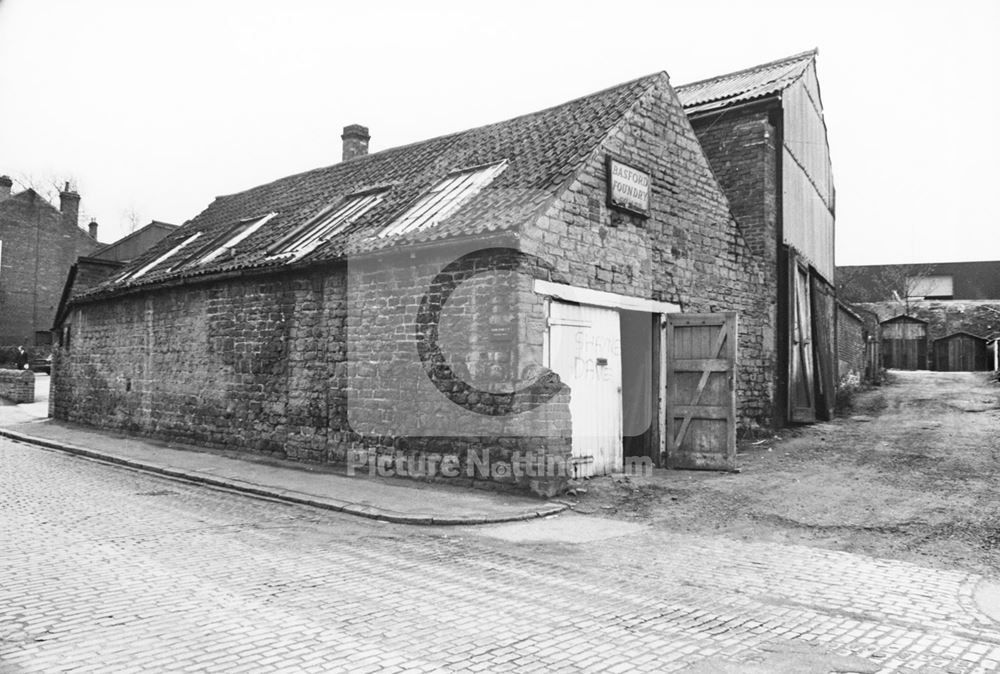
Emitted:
<point x="17" y="386"/>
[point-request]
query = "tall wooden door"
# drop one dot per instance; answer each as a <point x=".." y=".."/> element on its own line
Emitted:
<point x="585" y="351"/>
<point x="700" y="354"/>
<point x="801" y="380"/>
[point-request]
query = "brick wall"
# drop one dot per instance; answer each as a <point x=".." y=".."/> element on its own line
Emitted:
<point x="850" y="344"/>
<point x="39" y="247"/>
<point x="17" y="386"/>
<point x="690" y="251"/>
<point x="741" y="150"/>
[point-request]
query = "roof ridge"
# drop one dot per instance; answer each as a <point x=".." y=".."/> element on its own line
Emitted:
<point x="358" y="161"/>
<point x="134" y="233"/>
<point x="761" y="66"/>
<point x="38" y="195"/>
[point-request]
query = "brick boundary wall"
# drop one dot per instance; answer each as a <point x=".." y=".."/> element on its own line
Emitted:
<point x="850" y="344"/>
<point x="17" y="386"/>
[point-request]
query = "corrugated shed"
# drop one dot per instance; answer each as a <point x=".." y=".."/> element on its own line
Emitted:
<point x="744" y="85"/>
<point x="542" y="151"/>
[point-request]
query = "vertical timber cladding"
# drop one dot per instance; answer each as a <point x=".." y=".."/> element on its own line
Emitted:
<point x="824" y="307"/>
<point x="701" y="390"/>
<point x="904" y="343"/>
<point x="961" y="352"/>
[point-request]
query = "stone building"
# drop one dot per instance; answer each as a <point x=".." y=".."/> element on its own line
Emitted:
<point x="569" y="284"/>
<point x="764" y="134"/>
<point x="38" y="245"/>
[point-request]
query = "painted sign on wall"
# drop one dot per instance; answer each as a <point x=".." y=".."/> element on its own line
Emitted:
<point x="628" y="188"/>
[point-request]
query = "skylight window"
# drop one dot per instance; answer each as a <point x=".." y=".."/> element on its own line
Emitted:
<point x="231" y="238"/>
<point x="166" y="256"/>
<point x="444" y="199"/>
<point x="330" y="222"/>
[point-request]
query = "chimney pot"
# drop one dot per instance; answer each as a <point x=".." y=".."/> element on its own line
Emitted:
<point x="355" y="139"/>
<point x="69" y="205"/>
<point x="5" y="184"/>
<point x="93" y="228"/>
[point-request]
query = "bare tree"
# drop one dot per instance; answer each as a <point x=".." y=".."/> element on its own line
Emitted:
<point x="133" y="219"/>
<point x="48" y="186"/>
<point x="889" y="283"/>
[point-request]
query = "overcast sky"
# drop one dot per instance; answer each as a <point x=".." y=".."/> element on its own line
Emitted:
<point x="154" y="108"/>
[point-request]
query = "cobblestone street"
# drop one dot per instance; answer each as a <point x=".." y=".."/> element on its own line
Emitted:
<point x="105" y="569"/>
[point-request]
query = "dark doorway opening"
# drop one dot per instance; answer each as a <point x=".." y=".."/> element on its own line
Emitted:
<point x="640" y="379"/>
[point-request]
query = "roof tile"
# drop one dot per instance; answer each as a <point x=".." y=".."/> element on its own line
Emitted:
<point x="541" y="148"/>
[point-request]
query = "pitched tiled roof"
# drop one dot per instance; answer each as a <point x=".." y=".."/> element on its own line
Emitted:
<point x="744" y="85"/>
<point x="542" y="150"/>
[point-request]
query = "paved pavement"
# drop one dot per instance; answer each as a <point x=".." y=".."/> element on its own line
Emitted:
<point x="393" y="500"/>
<point x="109" y="569"/>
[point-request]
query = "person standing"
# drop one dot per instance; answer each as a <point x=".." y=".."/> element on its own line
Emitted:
<point x="22" y="358"/>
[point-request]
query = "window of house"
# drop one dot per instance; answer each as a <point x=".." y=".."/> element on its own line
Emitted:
<point x="444" y="199"/>
<point x="326" y="224"/>
<point x="932" y="287"/>
<point x="225" y="242"/>
<point x="166" y="256"/>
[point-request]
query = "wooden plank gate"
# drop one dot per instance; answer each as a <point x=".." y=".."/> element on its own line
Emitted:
<point x="904" y="343"/>
<point x="700" y="365"/>
<point x="961" y="352"/>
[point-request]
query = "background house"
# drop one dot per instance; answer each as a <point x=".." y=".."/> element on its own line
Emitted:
<point x="38" y="245"/>
<point x="90" y="270"/>
<point x="920" y="281"/>
<point x="764" y="134"/>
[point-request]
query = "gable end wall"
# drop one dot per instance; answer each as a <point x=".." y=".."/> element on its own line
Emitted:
<point x="690" y="251"/>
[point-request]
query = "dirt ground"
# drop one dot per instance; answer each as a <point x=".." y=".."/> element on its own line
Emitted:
<point x="912" y="472"/>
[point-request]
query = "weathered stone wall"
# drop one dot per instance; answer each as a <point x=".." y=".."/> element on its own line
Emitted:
<point x="690" y="251"/>
<point x="435" y="365"/>
<point x="17" y="386"/>
<point x="261" y="364"/>
<point x="249" y="364"/>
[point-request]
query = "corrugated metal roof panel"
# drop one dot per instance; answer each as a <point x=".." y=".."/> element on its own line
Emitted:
<point x="744" y="85"/>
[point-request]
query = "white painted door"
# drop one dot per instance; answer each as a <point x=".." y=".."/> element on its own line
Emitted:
<point x="585" y="351"/>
